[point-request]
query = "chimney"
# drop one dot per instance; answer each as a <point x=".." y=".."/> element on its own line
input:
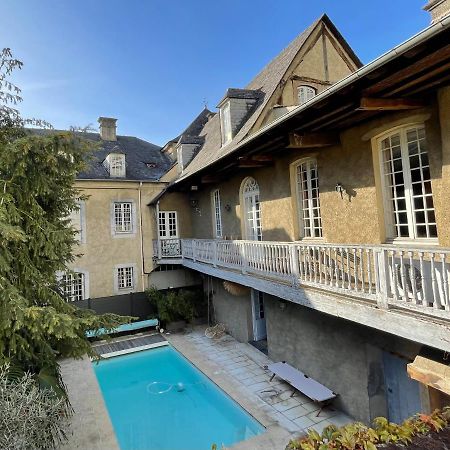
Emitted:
<point x="107" y="128"/>
<point x="438" y="9"/>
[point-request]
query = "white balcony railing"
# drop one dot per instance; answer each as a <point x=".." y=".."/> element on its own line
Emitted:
<point x="415" y="278"/>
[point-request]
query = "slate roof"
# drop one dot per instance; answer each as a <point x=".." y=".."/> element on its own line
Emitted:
<point x="242" y="93"/>
<point x="196" y="126"/>
<point x="144" y="161"/>
<point x="265" y="82"/>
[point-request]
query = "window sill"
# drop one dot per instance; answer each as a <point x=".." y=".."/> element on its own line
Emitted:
<point x="317" y="240"/>
<point x="434" y="242"/>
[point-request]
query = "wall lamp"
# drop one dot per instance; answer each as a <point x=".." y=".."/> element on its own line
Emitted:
<point x="228" y="207"/>
<point x="340" y="189"/>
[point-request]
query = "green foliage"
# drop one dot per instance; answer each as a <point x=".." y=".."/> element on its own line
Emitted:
<point x="37" y="193"/>
<point x="173" y="305"/>
<point x="357" y="436"/>
<point x="30" y="417"/>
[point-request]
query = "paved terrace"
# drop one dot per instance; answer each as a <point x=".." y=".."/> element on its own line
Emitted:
<point x="237" y="368"/>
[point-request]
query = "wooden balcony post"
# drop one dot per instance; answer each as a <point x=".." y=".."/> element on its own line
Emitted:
<point x="294" y="265"/>
<point x="244" y="258"/>
<point x="159" y="248"/>
<point x="194" y="247"/>
<point x="214" y="244"/>
<point x="382" y="274"/>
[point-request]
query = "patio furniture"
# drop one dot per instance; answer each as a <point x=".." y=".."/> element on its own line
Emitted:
<point x="127" y="327"/>
<point x="301" y="382"/>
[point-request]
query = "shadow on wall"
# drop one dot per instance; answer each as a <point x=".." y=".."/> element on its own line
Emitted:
<point x="132" y="304"/>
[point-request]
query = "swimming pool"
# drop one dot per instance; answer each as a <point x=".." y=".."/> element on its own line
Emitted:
<point x="157" y="400"/>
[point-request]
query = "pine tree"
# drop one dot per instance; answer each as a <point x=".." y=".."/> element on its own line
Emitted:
<point x="37" y="194"/>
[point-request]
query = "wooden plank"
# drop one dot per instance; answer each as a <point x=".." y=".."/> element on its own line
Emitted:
<point x="431" y="373"/>
<point x="255" y="161"/>
<point x="312" y="140"/>
<point x="388" y="104"/>
<point x="418" y="80"/>
<point x="412" y="70"/>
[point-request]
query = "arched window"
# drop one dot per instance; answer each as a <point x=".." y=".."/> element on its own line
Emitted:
<point x="305" y="93"/>
<point x="406" y="181"/>
<point x="252" y="209"/>
<point x="308" y="202"/>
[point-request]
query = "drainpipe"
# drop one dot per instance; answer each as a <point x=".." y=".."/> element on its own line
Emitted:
<point x="157" y="231"/>
<point x="142" y="237"/>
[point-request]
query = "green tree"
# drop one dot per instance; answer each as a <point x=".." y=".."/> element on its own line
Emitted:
<point x="37" y="194"/>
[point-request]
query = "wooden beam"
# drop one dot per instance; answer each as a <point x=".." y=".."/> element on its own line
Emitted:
<point x="431" y="373"/>
<point x="412" y="70"/>
<point x="255" y="161"/>
<point x="208" y="179"/>
<point x="312" y="140"/>
<point x="388" y="104"/>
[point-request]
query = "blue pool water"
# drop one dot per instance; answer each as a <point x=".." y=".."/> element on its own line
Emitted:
<point x="157" y="400"/>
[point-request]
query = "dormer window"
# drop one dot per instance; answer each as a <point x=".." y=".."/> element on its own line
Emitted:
<point x="305" y="93"/>
<point x="225" y="123"/>
<point x="115" y="165"/>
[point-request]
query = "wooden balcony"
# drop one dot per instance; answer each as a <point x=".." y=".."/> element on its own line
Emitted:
<point x="386" y="287"/>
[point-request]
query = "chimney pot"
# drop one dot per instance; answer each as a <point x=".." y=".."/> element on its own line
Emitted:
<point x="107" y="128"/>
<point x="438" y="9"/>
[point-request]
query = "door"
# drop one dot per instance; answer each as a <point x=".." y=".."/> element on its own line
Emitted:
<point x="403" y="395"/>
<point x="259" y="317"/>
<point x="252" y="210"/>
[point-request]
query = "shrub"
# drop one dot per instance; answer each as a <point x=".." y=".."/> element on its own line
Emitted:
<point x="357" y="436"/>
<point x="30" y="417"/>
<point x="176" y="305"/>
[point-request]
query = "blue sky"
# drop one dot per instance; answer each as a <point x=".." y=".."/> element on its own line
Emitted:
<point x="153" y="63"/>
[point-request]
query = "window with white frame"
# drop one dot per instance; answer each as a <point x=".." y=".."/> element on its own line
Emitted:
<point x="408" y="197"/>
<point x="73" y="284"/>
<point x="78" y="223"/>
<point x="225" y="123"/>
<point x="252" y="210"/>
<point x="217" y="213"/>
<point x="125" y="278"/>
<point x="167" y="225"/>
<point x="123" y="217"/>
<point x="115" y="164"/>
<point x="308" y="201"/>
<point x="305" y="93"/>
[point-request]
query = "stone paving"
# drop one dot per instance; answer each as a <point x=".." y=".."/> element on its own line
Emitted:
<point x="243" y="365"/>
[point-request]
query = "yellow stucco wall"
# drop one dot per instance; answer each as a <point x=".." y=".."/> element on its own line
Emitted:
<point x="356" y="218"/>
<point x="103" y="250"/>
<point x="175" y="201"/>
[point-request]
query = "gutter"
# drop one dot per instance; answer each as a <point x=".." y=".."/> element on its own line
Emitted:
<point x="370" y="67"/>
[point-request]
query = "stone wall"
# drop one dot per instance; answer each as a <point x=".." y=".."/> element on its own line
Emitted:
<point x="233" y="311"/>
<point x="343" y="356"/>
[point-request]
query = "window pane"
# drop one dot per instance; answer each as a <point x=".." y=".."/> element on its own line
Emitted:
<point x="309" y="201"/>
<point x="401" y="153"/>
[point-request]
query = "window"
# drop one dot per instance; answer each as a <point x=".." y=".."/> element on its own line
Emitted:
<point x="167" y="225"/>
<point x="123" y="217"/>
<point x="252" y="210"/>
<point x="78" y="222"/>
<point x="225" y="123"/>
<point x="408" y="197"/>
<point x="125" y="278"/>
<point x="73" y="284"/>
<point x="308" y="202"/>
<point x="305" y="93"/>
<point x="115" y="164"/>
<point x="217" y="213"/>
